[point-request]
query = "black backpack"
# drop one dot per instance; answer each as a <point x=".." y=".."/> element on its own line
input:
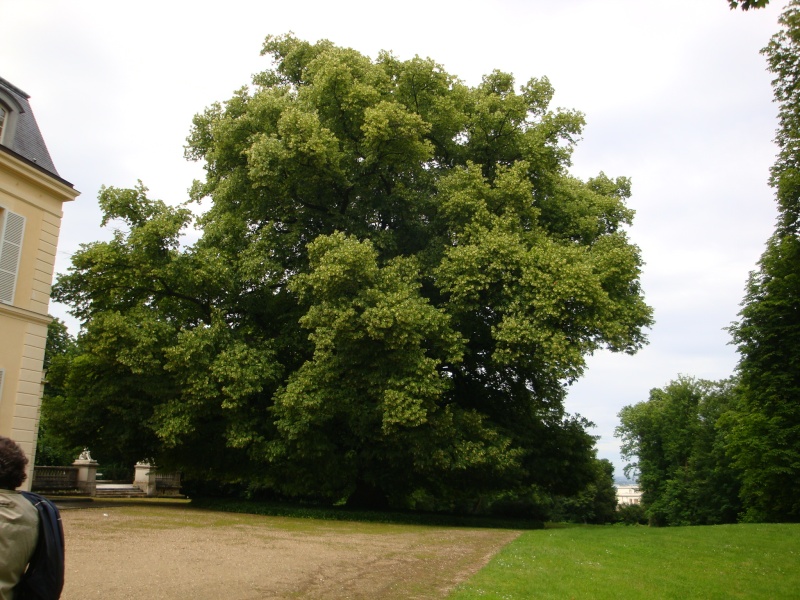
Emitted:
<point x="44" y="578"/>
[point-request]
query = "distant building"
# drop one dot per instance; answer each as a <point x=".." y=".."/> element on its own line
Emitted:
<point x="628" y="494"/>
<point x="31" y="198"/>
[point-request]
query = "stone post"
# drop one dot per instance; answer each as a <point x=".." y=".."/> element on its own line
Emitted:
<point x="145" y="478"/>
<point x="87" y="473"/>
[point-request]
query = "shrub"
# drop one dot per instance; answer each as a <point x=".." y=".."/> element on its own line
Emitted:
<point x="632" y="514"/>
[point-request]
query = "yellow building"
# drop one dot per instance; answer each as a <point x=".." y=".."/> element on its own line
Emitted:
<point x="31" y="199"/>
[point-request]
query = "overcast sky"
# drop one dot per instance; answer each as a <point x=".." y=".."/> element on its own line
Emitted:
<point x="675" y="94"/>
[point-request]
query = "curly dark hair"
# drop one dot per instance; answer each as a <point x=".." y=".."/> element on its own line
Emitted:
<point x="12" y="464"/>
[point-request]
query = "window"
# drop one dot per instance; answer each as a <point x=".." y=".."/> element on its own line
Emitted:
<point x="12" y="228"/>
<point x="10" y="110"/>
<point x="8" y="119"/>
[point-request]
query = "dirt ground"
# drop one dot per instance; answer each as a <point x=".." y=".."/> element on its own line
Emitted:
<point x="171" y="552"/>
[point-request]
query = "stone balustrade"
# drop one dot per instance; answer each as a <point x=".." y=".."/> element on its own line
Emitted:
<point x="55" y="478"/>
<point x="81" y="478"/>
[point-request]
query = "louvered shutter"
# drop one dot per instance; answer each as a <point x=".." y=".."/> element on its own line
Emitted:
<point x="10" y="253"/>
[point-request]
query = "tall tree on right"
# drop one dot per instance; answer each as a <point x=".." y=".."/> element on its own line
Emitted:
<point x="764" y="433"/>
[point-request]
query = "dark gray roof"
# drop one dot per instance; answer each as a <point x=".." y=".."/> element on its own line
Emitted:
<point x="27" y="140"/>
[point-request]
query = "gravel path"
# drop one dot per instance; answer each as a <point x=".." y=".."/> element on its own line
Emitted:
<point x="172" y="552"/>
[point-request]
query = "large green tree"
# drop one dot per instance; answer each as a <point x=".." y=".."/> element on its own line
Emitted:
<point x="397" y="279"/>
<point x="678" y="453"/>
<point x="765" y="437"/>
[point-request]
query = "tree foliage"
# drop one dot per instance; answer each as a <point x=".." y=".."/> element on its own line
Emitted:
<point x="596" y="503"/>
<point x="50" y="447"/>
<point x="747" y="4"/>
<point x="397" y="277"/>
<point x="679" y="452"/>
<point x="765" y="436"/>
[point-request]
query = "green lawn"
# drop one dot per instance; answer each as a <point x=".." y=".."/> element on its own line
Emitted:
<point x="726" y="561"/>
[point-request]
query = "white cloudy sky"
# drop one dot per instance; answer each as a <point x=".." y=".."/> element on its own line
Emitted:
<point x="675" y="94"/>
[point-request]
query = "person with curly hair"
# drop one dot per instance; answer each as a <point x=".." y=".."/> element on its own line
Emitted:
<point x="19" y="521"/>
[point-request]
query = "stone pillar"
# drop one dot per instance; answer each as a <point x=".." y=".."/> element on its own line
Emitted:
<point x="145" y="478"/>
<point x="87" y="473"/>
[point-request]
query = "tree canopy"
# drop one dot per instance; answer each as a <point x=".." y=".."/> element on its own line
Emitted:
<point x="679" y="453"/>
<point x="765" y="439"/>
<point x="50" y="448"/>
<point x="396" y="280"/>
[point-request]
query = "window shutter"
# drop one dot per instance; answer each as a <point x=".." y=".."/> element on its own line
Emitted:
<point x="10" y="253"/>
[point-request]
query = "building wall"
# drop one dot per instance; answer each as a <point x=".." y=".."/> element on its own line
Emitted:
<point x="628" y="494"/>
<point x="37" y="196"/>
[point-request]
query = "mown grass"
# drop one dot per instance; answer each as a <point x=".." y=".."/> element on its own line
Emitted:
<point x="726" y="561"/>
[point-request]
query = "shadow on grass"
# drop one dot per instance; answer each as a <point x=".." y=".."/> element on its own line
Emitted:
<point x="279" y="509"/>
<point x="78" y="502"/>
